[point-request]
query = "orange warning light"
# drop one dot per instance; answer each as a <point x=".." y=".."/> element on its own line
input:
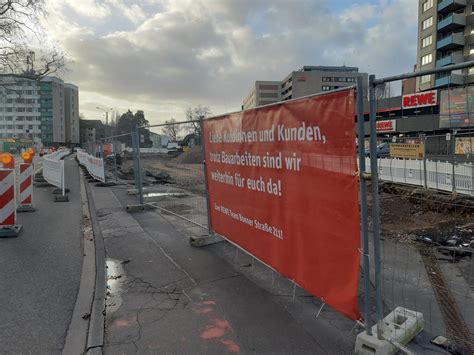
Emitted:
<point x="26" y="156"/>
<point x="7" y="160"/>
<point x="31" y="151"/>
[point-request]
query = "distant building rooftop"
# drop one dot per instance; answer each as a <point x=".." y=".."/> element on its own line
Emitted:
<point x="329" y="68"/>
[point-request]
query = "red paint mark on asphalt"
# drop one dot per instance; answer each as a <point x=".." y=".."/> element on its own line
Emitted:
<point x="216" y="330"/>
<point x="231" y="346"/>
<point x="125" y="322"/>
<point x="204" y="307"/>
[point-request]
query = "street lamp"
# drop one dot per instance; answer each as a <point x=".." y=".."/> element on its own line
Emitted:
<point x="106" y="118"/>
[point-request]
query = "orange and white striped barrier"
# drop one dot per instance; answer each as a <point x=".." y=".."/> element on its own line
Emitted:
<point x="25" y="182"/>
<point x="8" y="226"/>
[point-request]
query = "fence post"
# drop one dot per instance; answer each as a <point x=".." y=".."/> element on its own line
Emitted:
<point x="453" y="162"/>
<point x="115" y="160"/>
<point x="138" y="170"/>
<point x="209" y="228"/>
<point x="375" y="207"/>
<point x="425" y="172"/>
<point x="363" y="204"/>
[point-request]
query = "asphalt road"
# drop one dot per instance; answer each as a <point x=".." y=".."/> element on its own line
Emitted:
<point x="40" y="272"/>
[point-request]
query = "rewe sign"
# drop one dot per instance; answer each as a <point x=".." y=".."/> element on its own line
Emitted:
<point x="386" y="126"/>
<point x="420" y="99"/>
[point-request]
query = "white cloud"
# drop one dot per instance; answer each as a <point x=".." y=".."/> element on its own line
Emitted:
<point x="210" y="51"/>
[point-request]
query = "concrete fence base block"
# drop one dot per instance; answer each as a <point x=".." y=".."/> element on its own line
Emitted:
<point x="105" y="184"/>
<point x="135" y="208"/>
<point x="132" y="192"/>
<point x="60" y="191"/>
<point x="202" y="240"/>
<point x="61" y="198"/>
<point x="12" y="231"/>
<point x="25" y="208"/>
<point x="399" y="327"/>
<point x="42" y="184"/>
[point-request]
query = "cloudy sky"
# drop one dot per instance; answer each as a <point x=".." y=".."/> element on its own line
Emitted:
<point x="162" y="56"/>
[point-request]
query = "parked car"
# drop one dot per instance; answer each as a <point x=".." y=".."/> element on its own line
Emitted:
<point x="383" y="150"/>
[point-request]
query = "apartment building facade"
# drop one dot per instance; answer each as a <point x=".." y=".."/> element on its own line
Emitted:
<point x="315" y="79"/>
<point x="71" y="105"/>
<point x="59" y="112"/>
<point x="44" y="112"/>
<point x="306" y="81"/>
<point x="445" y="37"/>
<point x="263" y="93"/>
<point x="19" y="108"/>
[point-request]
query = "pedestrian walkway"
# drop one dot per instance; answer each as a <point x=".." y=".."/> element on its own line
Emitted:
<point x="165" y="296"/>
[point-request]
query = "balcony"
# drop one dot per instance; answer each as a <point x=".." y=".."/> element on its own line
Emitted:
<point x="451" y="23"/>
<point x="447" y="6"/>
<point x="453" y="41"/>
<point x="454" y="58"/>
<point x="449" y="80"/>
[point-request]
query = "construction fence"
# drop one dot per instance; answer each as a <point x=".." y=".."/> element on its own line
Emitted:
<point x="277" y="185"/>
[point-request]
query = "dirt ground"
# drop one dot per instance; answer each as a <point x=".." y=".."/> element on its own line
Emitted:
<point x="408" y="212"/>
<point x="184" y="170"/>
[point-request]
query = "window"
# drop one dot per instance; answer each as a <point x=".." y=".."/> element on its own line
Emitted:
<point x="30" y="126"/>
<point x="426" y="59"/>
<point x="471" y="71"/>
<point x="472" y="8"/>
<point x="427" y="41"/>
<point x="427" y="23"/>
<point x="471" y="49"/>
<point x="326" y="78"/>
<point x="425" y="79"/>
<point x="325" y="88"/>
<point x="9" y="109"/>
<point x="427" y="5"/>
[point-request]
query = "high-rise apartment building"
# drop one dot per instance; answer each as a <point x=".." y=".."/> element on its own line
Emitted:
<point x="59" y="111"/>
<point x="45" y="111"/>
<point x="19" y="108"/>
<point x="71" y="104"/>
<point x="445" y="37"/>
<point x="53" y="124"/>
<point x="306" y="81"/>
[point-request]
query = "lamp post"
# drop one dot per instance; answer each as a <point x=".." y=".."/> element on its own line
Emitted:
<point x="106" y="118"/>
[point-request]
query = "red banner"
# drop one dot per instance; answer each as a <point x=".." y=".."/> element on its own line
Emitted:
<point x="283" y="186"/>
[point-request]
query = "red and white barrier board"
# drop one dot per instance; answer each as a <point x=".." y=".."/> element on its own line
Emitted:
<point x="283" y="186"/>
<point x="26" y="185"/>
<point x="7" y="198"/>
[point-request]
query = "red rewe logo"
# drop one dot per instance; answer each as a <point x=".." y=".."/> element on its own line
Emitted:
<point x="422" y="99"/>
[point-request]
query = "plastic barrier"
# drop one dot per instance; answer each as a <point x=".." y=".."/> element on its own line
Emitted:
<point x="439" y="175"/>
<point x="53" y="169"/>
<point x="95" y="166"/>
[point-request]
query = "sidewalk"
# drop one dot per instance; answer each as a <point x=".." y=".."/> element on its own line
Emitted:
<point x="165" y="296"/>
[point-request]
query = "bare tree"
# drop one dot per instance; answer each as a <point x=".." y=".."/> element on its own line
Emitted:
<point x="194" y="115"/>
<point x="171" y="129"/>
<point x="19" y="27"/>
